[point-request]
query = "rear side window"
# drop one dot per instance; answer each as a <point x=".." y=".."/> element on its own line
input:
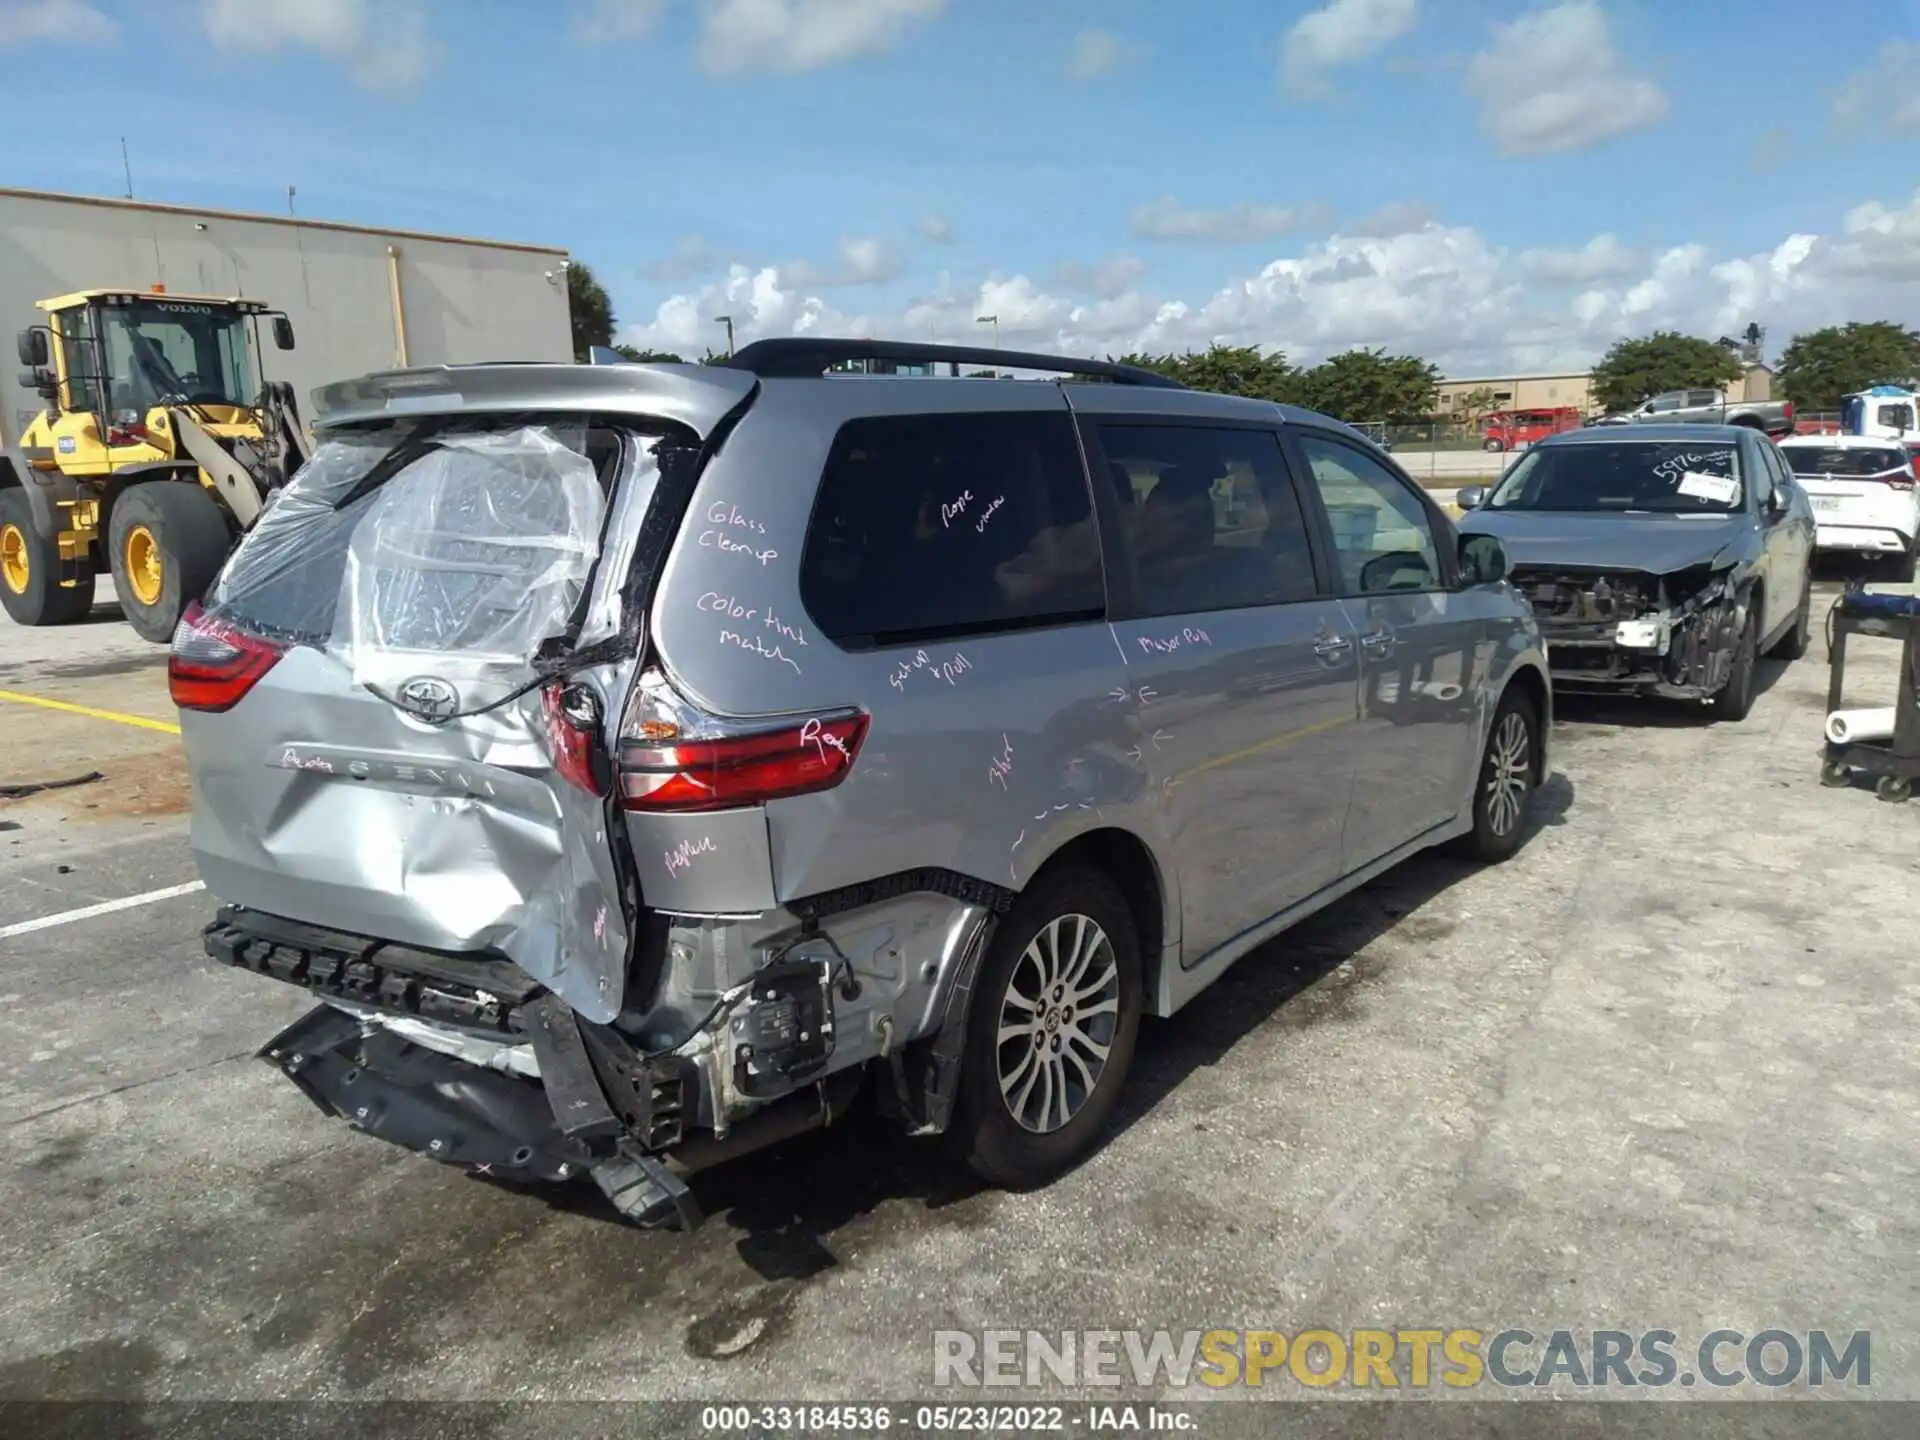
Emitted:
<point x="1210" y="517"/>
<point x="935" y="525"/>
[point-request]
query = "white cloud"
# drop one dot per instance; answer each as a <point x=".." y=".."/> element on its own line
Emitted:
<point x="1601" y="258"/>
<point x="607" y="21"/>
<point x="35" y="22"/>
<point x="1101" y="52"/>
<point x="936" y="228"/>
<point x="1442" y="292"/>
<point x="1167" y="219"/>
<point x="790" y="36"/>
<point x="1397" y="218"/>
<point x="858" y="260"/>
<point x="1107" y="280"/>
<point x="383" y="49"/>
<point x="1337" y="35"/>
<point x="1884" y="93"/>
<point x="1553" y="81"/>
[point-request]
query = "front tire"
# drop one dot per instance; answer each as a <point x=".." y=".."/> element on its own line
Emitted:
<point x="30" y="588"/>
<point x="1735" y="700"/>
<point x="1051" y="1034"/>
<point x="1493" y="447"/>
<point x="166" y="542"/>
<point x="1505" y="782"/>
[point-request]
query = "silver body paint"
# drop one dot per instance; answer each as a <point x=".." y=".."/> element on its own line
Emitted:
<point x="1262" y="779"/>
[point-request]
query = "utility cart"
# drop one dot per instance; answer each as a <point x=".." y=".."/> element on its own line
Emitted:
<point x="1895" y="762"/>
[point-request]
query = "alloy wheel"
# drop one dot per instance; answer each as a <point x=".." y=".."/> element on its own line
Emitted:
<point x="1057" y="1023"/>
<point x="1509" y="759"/>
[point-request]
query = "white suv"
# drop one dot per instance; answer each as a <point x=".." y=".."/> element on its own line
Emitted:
<point x="1863" y="493"/>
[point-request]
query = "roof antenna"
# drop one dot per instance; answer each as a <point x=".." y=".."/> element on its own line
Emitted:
<point x="126" y="165"/>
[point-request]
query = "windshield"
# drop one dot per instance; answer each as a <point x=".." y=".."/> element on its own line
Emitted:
<point x="1842" y="460"/>
<point x="176" y="350"/>
<point x="1638" y="475"/>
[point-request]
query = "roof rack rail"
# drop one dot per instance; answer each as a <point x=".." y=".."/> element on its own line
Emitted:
<point x="804" y="357"/>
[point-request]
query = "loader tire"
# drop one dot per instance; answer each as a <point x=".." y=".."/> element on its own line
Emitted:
<point x="166" y="542"/>
<point x="30" y="588"/>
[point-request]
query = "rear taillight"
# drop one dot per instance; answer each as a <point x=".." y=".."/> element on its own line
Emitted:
<point x="1786" y="411"/>
<point x="214" y="663"/>
<point x="719" y="774"/>
<point x="573" y="731"/>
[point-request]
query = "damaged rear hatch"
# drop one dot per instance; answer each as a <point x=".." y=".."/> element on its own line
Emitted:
<point x="393" y="700"/>
<point x="1630" y="552"/>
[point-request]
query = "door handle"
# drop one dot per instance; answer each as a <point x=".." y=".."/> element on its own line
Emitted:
<point x="1377" y="642"/>
<point x="1332" y="647"/>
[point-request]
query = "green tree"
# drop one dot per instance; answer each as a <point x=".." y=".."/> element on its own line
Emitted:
<point x="1820" y="367"/>
<point x="590" y="309"/>
<point x="648" y="357"/>
<point x="1227" y="370"/>
<point x="1359" y="386"/>
<point x="1665" y="360"/>
<point x="1474" y="406"/>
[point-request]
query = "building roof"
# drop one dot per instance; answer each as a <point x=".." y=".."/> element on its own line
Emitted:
<point x="300" y="222"/>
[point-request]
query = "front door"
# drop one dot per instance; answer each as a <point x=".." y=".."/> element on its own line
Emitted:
<point x="1241" y="670"/>
<point x="1417" y="737"/>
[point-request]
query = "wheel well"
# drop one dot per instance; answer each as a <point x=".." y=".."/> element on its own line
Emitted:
<point x="1125" y="860"/>
<point x="1534" y="686"/>
<point x="1748" y="422"/>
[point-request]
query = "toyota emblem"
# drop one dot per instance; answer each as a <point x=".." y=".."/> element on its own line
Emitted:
<point x="429" y="697"/>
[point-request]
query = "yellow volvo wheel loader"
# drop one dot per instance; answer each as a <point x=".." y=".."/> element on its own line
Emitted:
<point x="160" y="443"/>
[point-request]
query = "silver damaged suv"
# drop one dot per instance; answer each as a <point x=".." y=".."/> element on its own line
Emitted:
<point x="637" y="763"/>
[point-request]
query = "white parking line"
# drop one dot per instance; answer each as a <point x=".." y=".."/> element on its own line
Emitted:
<point x="105" y="907"/>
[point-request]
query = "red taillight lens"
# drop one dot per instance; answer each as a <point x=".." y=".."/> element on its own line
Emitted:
<point x="573" y="730"/>
<point x="214" y="663"/>
<point x="735" y="770"/>
<point x="1786" y="410"/>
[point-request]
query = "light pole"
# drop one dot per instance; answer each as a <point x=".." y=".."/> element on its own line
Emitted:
<point x="993" y="320"/>
<point x="726" y="320"/>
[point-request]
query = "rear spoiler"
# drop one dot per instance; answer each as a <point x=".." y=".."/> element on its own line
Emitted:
<point x="696" y="396"/>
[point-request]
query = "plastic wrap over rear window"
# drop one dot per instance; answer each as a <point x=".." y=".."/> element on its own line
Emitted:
<point x="951" y="524"/>
<point x="473" y="546"/>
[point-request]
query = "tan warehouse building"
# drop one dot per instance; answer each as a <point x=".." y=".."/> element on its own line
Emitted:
<point x="1571" y="389"/>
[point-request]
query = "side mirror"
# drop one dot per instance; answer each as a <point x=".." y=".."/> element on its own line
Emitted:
<point x="1471" y="498"/>
<point x="41" y="382"/>
<point x="1483" y="559"/>
<point x="1778" y="501"/>
<point x="283" y="332"/>
<point x="33" y="347"/>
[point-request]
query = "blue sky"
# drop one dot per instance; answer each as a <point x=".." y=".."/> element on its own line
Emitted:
<point x="1490" y="183"/>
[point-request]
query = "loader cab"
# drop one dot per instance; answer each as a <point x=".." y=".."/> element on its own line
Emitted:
<point x="123" y="358"/>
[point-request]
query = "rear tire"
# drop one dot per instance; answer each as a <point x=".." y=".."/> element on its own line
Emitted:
<point x="1493" y="447"/>
<point x="30" y="588"/>
<point x="1903" y="568"/>
<point x="166" y="542"/>
<point x="1055" y="1015"/>
<point x="1504" y="783"/>
<point x="1735" y="700"/>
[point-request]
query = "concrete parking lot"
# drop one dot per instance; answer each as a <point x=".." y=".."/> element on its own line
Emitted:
<point x="1660" y="1071"/>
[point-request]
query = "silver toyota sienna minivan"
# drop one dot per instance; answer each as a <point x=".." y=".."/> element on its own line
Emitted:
<point x="639" y="763"/>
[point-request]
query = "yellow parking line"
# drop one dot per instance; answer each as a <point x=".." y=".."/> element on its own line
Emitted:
<point x="165" y="727"/>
